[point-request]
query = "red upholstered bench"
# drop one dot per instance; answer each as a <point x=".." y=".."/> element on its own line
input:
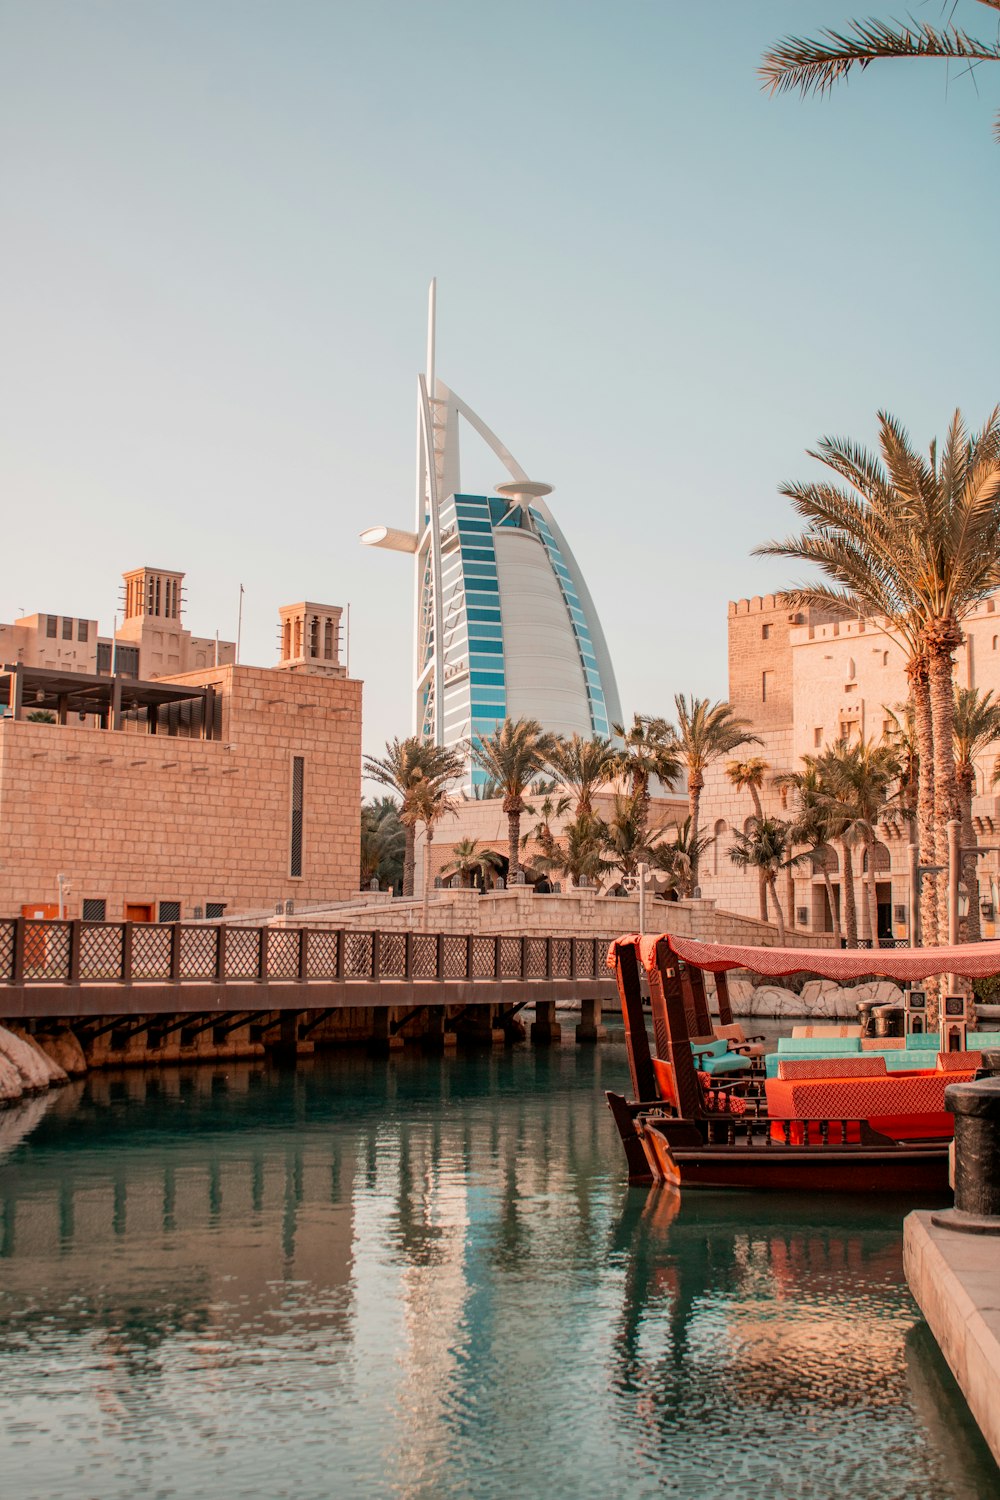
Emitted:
<point x="903" y="1106"/>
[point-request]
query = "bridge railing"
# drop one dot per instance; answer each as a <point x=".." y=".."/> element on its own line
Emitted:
<point x="77" y="952"/>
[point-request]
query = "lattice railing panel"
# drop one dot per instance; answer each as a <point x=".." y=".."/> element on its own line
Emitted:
<point x="150" y="951"/>
<point x="198" y="952"/>
<point x="6" y="950"/>
<point x="282" y="953"/>
<point x="484" y="950"/>
<point x="392" y="955"/>
<point x="242" y="952"/>
<point x="510" y="958"/>
<point x="358" y="955"/>
<point x="424" y="956"/>
<point x="101" y="950"/>
<point x="561" y="958"/>
<point x="46" y="950"/>
<point x="584" y="958"/>
<point x="534" y="958"/>
<point x="454" y="958"/>
<point x="322" y="954"/>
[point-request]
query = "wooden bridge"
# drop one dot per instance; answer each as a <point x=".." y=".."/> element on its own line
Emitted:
<point x="224" y="976"/>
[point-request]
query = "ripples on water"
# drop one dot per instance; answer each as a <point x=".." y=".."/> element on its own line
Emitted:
<point x="426" y="1279"/>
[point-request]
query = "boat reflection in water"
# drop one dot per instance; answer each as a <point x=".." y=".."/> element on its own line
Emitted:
<point x="425" y="1278"/>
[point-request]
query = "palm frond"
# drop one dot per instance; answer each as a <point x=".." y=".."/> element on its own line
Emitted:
<point x="813" y="67"/>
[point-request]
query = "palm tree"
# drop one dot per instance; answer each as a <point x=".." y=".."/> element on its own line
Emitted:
<point x="469" y="860"/>
<point x="582" y="766"/>
<point x="901" y="734"/>
<point x="512" y="757"/>
<point x="547" y="854"/>
<point x="383" y="841"/>
<point x="766" y="845"/>
<point x="628" y="838"/>
<point x="859" y="778"/>
<point x="648" y="749"/>
<point x="406" y="768"/>
<point x="585" y="838"/>
<point x="815" y="825"/>
<point x="813" y="67"/>
<point x="706" y="731"/>
<point x="977" y="725"/>
<point x="748" y="775"/>
<point x="675" y="857"/>
<point x="430" y="803"/>
<point x="916" y="541"/>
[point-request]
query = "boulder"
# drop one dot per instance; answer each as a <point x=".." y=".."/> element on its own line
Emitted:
<point x="63" y="1048"/>
<point x="769" y="1000"/>
<point x="37" y="1070"/>
<point x="11" y="1083"/>
<point x="57" y="1073"/>
<point x="814" y="989"/>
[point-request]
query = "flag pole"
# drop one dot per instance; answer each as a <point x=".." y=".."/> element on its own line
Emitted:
<point x="239" y="626"/>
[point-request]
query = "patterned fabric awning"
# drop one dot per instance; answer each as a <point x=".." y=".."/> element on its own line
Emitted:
<point x="969" y="960"/>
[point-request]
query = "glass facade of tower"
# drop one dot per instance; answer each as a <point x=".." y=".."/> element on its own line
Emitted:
<point x="474" y="679"/>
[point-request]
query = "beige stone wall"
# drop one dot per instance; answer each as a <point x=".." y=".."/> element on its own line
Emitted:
<point x="145" y="818"/>
<point x="833" y="677"/>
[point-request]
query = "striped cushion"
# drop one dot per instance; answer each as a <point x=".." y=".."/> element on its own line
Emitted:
<point x="832" y="1067"/>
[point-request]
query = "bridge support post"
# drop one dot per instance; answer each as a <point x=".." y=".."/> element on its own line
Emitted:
<point x="436" y="1037"/>
<point x="590" y="1028"/>
<point x="285" y="1049"/>
<point x="545" y="1029"/>
<point x="381" y="1039"/>
<point x="476" y="1028"/>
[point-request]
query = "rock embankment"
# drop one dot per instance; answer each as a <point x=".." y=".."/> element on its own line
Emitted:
<point x="27" y="1067"/>
<point x="820" y="999"/>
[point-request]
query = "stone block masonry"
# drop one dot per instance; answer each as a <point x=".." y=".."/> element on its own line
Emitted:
<point x="136" y="820"/>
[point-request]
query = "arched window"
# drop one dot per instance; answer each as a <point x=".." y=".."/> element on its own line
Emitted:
<point x="885" y="658"/>
<point x="721" y="827"/>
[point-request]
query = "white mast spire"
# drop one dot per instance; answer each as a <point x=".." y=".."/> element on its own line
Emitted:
<point x="431" y="318"/>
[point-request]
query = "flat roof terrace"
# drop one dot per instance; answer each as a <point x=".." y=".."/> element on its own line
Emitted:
<point x="116" y="702"/>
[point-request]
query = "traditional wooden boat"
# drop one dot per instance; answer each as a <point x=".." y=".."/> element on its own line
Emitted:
<point x="843" y="1125"/>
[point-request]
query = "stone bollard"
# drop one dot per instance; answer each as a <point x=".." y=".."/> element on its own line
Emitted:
<point x="976" y="1107"/>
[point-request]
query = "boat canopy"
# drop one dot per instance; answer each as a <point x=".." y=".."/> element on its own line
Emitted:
<point x="969" y="960"/>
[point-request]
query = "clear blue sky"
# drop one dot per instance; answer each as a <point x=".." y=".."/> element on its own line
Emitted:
<point x="218" y="219"/>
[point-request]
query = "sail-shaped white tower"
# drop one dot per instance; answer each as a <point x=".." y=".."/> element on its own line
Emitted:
<point x="505" y="625"/>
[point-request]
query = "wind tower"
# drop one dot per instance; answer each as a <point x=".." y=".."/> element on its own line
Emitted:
<point x="504" y="623"/>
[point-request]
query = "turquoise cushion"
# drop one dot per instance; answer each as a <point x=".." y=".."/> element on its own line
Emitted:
<point x="732" y="1062"/>
<point x="717" y="1048"/>
<point x="818" y="1046"/>
<point x="924" y="1041"/>
<point x="977" y="1040"/>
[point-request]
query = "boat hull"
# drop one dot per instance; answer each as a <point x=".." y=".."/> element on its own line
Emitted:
<point x="863" y="1168"/>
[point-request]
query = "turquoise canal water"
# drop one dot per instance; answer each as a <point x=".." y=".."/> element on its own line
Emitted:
<point x="427" y="1278"/>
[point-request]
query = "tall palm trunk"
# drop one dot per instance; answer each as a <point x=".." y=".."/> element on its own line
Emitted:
<point x="970" y="864"/>
<point x="758" y="812"/>
<point x="871" y="891"/>
<point x="926" y="840"/>
<point x="409" y="859"/>
<point x="944" y="638"/>
<point x="850" y="909"/>
<point x="834" y="914"/>
<point x="696" y="783"/>
<point x="428" y="840"/>
<point x="513" y="841"/>
<point x="779" y="915"/>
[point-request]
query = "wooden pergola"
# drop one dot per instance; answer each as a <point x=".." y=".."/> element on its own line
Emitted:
<point x="114" y="701"/>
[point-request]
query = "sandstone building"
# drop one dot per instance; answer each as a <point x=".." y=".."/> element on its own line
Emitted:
<point x="806" y="678"/>
<point x="184" y="794"/>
